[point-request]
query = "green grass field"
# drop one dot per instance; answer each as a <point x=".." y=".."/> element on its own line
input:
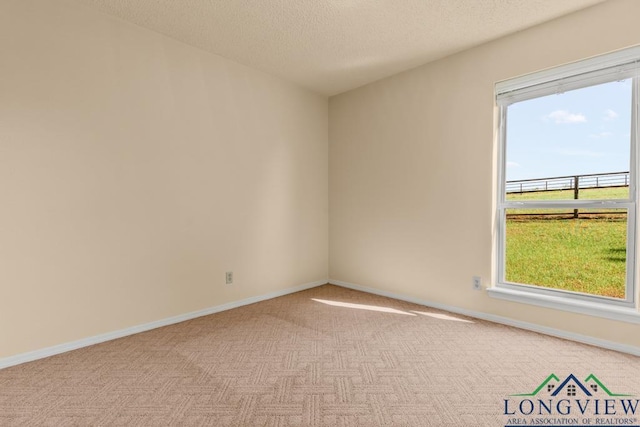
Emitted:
<point x="587" y="254"/>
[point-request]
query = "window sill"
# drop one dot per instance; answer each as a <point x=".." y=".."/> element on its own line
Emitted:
<point x="622" y="314"/>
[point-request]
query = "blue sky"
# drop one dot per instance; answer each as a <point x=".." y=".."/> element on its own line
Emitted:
<point x="578" y="132"/>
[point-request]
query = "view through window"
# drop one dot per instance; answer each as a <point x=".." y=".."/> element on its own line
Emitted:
<point x="567" y="214"/>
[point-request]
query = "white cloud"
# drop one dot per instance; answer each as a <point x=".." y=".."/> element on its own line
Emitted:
<point x="563" y="116"/>
<point x="610" y="115"/>
<point x="513" y="165"/>
<point x="601" y="135"/>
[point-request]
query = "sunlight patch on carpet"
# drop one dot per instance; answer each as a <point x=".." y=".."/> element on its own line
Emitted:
<point x="442" y="316"/>
<point x="362" y="306"/>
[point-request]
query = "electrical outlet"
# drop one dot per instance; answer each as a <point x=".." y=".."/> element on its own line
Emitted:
<point x="229" y="277"/>
<point x="477" y="283"/>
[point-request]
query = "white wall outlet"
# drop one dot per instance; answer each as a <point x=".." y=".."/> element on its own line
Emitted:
<point x="229" y="277"/>
<point x="477" y="283"/>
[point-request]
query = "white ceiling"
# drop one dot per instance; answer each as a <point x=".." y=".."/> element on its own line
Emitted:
<point x="331" y="46"/>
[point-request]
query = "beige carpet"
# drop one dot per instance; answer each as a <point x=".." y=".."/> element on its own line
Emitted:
<point x="304" y="359"/>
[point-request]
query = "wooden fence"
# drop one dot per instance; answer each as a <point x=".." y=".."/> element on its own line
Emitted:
<point x="569" y="182"/>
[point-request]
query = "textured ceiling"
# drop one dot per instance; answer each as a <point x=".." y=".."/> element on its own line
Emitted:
<point x="331" y="46"/>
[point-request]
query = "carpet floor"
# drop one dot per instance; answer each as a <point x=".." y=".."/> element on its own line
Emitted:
<point x="327" y="356"/>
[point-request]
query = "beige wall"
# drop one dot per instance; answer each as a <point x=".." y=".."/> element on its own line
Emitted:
<point x="135" y="171"/>
<point x="411" y="169"/>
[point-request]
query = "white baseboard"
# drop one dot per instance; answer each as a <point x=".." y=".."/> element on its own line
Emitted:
<point x="498" y="319"/>
<point x="62" y="348"/>
<point x="85" y="342"/>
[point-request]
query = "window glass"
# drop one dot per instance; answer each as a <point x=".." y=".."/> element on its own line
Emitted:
<point x="577" y="250"/>
<point x="573" y="145"/>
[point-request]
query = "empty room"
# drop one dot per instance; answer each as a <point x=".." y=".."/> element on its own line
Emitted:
<point x="319" y="213"/>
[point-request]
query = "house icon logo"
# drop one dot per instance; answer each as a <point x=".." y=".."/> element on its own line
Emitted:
<point x="571" y="401"/>
<point x="571" y="386"/>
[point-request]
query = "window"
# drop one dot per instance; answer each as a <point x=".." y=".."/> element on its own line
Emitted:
<point x="566" y="207"/>
<point x="571" y="390"/>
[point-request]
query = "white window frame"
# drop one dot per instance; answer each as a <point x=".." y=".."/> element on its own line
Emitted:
<point x="615" y="66"/>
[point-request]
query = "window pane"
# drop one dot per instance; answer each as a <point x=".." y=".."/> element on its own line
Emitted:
<point x="571" y="145"/>
<point x="583" y="251"/>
